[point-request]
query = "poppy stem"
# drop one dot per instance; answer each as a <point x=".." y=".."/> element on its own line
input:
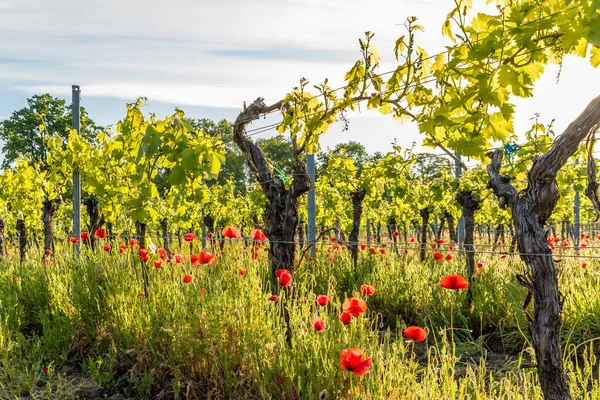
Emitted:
<point x="452" y="327"/>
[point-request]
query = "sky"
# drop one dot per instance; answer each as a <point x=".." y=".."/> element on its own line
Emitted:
<point x="207" y="58"/>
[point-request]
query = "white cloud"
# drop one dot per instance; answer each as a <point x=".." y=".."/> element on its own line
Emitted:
<point x="181" y="52"/>
<point x="195" y="95"/>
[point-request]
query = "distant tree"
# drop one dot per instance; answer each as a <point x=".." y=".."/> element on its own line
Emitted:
<point x="278" y="149"/>
<point x="352" y="149"/>
<point x="235" y="169"/>
<point x="429" y="165"/>
<point x="24" y="132"/>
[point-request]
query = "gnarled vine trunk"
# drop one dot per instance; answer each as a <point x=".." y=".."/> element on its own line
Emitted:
<point x="424" y="212"/>
<point x="96" y="220"/>
<point x="281" y="214"/>
<point x="357" y="208"/>
<point x="531" y="209"/>
<point x="164" y="230"/>
<point x="451" y="228"/>
<point x="48" y="209"/>
<point x="440" y="232"/>
<point x="469" y="205"/>
<point x="498" y="234"/>
<point x="140" y="232"/>
<point x="394" y="225"/>
<point x="2" y="240"/>
<point x="209" y="222"/>
<point x="23" y="242"/>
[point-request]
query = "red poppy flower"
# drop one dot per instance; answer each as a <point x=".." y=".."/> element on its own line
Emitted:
<point x="243" y="271"/>
<point x="133" y="242"/>
<point x="354" y="306"/>
<point x="412" y="239"/>
<point x="46" y="261"/>
<point x="440" y="241"/>
<point x="451" y="247"/>
<point x="48" y="251"/>
<point x="583" y="244"/>
<point x="346" y="318"/>
<point x="203" y="291"/>
<point x="145" y="258"/>
<point x="189" y="237"/>
<point x="278" y="272"/>
<point x="367" y="289"/>
<point x="45" y="370"/>
<point x="162" y="253"/>
<point x="285" y="278"/>
<point x="85" y="235"/>
<point x="280" y="379"/>
<point x="434" y="246"/>
<point x="74" y="240"/>
<point x="373" y="250"/>
<point x="210" y="235"/>
<point x="333" y="239"/>
<point x="207" y="258"/>
<point x="100" y="233"/>
<point x="584" y="265"/>
<point x="231" y="232"/>
<point x="499" y="243"/>
<point x="454" y="282"/>
<point x="363" y="246"/>
<point x="273" y="297"/>
<point x="382" y="251"/>
<point x="503" y="256"/>
<point x="405" y="251"/>
<point x="177" y="258"/>
<point x="556" y="239"/>
<point x="415" y="333"/>
<point x="479" y="265"/>
<point x="319" y="324"/>
<point x="448" y="257"/>
<point x="438" y="256"/>
<point x="195" y="259"/>
<point x="142" y="294"/>
<point x="187" y="278"/>
<point x="258" y="235"/>
<point x="323" y="300"/>
<point x="107" y="247"/>
<point x="143" y="252"/>
<point x="157" y="263"/>
<point x="122" y="250"/>
<point x="352" y="360"/>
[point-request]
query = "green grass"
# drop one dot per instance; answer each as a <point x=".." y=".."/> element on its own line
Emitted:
<point x="85" y="321"/>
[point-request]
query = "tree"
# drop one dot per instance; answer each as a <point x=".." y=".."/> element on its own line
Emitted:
<point x="25" y="132"/>
<point x="352" y="149"/>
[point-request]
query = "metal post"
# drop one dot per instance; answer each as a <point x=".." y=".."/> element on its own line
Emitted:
<point x="312" y="224"/>
<point x="435" y="226"/>
<point x="76" y="94"/>
<point x="461" y="220"/>
<point x="368" y="233"/>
